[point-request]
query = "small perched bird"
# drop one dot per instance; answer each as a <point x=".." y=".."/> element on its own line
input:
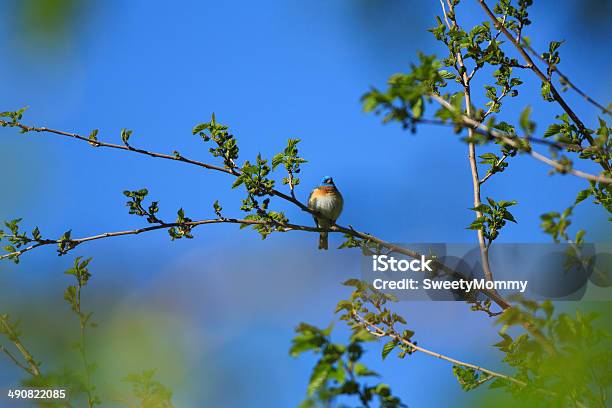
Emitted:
<point x="327" y="201"/>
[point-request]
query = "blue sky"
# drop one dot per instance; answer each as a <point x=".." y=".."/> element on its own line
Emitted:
<point x="271" y="70"/>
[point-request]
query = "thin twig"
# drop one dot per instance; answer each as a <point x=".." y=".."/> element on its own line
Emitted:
<point x="379" y="332"/>
<point x="97" y="143"/>
<point x="490" y="172"/>
<point x="6" y="328"/>
<point x="566" y="80"/>
<point x="15" y="360"/>
<point x="163" y="225"/>
<point x="508" y="139"/>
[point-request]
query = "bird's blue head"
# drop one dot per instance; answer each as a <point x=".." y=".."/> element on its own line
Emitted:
<point x="327" y="181"/>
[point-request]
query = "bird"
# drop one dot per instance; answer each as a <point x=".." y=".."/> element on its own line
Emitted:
<point x="327" y="202"/>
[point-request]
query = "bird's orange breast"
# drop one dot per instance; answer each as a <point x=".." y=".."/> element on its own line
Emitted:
<point x="324" y="191"/>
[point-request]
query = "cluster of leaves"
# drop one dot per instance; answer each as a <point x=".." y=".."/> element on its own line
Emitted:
<point x="151" y="393"/>
<point x="404" y="97"/>
<point x="11" y="331"/>
<point x="493" y="218"/>
<point x="568" y="364"/>
<point x="13" y="116"/>
<point x="290" y="159"/>
<point x="496" y="163"/>
<point x="135" y="206"/>
<point x="404" y="100"/>
<point x="72" y="295"/>
<point x="254" y="177"/>
<point x="78" y="383"/>
<point x="516" y="17"/>
<point x="74" y="382"/>
<point x="554" y="223"/>
<point x="468" y="377"/>
<point x="338" y="372"/>
<point x="367" y="246"/>
<point x="258" y="186"/>
<point x="366" y="311"/>
<point x="507" y="86"/>
<point x="182" y="227"/>
<point x="17" y="239"/>
<point x="573" y="138"/>
<point x="226" y="146"/>
<point x="125" y="136"/>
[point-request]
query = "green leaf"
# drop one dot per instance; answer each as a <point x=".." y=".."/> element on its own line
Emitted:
<point x="200" y="127"/>
<point x="93" y="136"/>
<point x="483" y="208"/>
<point x="417" y="108"/>
<point x="552" y="130"/>
<point x="498" y="383"/>
<point x="509" y="217"/>
<point x="344" y="305"/>
<point x="525" y="122"/>
<point x="353" y="282"/>
<point x="125" y="135"/>
<point x="545" y="90"/>
<point x="446" y="74"/>
<point x="504" y="203"/>
<point x="583" y="195"/>
<point x="388" y="347"/>
<point x="318" y="377"/>
<point x="277" y="160"/>
<point x="362" y="371"/>
<point x="580" y="236"/>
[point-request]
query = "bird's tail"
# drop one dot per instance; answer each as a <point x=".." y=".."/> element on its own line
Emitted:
<point x="323" y="240"/>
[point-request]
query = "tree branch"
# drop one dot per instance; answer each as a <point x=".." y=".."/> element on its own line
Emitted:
<point x="97" y="143"/>
<point x="533" y="67"/>
<point x="379" y="332"/>
<point x="32" y="366"/>
<point x="484" y="247"/>
<point x="490" y="172"/>
<point x="494" y="296"/>
<point x="493" y="133"/>
<point x="566" y="80"/>
<point x="162" y="225"/>
<point x="282" y="227"/>
<point x="15" y="360"/>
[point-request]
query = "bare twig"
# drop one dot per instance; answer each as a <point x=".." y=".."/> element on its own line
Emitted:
<point x="444" y="14"/>
<point x="97" y="143"/>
